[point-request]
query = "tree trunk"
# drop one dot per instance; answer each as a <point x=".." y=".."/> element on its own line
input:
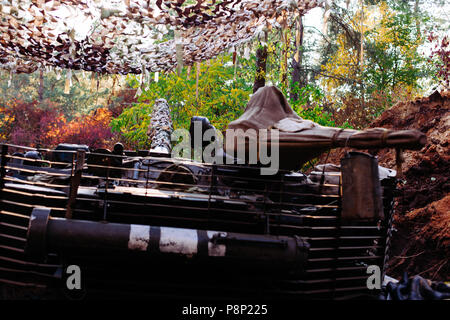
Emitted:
<point x="160" y="128"/>
<point x="326" y="16"/>
<point x="197" y="75"/>
<point x="298" y="79"/>
<point x="416" y="16"/>
<point x="261" y="59"/>
<point x="362" y="56"/>
<point x="285" y="36"/>
<point x="362" y="36"/>
<point x="41" y="85"/>
<point x="179" y="51"/>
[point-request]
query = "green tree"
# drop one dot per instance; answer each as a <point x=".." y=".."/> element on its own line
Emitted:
<point x="219" y="95"/>
<point x="78" y="94"/>
<point x="387" y="68"/>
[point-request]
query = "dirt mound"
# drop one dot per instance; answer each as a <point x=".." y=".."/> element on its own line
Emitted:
<point x="422" y="244"/>
<point x="433" y="222"/>
<point x="422" y="211"/>
<point x="426" y="172"/>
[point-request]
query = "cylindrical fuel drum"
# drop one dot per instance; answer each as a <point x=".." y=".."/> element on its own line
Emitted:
<point x="361" y="188"/>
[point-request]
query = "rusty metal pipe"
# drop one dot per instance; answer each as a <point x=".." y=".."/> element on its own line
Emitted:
<point x="48" y="234"/>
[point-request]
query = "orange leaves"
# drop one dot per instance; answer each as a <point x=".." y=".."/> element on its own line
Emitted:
<point x="6" y="122"/>
<point x="29" y="124"/>
<point x="92" y="129"/>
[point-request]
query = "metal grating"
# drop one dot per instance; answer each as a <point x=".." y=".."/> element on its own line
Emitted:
<point x="152" y="191"/>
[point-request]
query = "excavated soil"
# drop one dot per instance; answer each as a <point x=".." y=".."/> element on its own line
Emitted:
<point x="421" y="241"/>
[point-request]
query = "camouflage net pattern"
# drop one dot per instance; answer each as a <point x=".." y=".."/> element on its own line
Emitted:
<point x="128" y="36"/>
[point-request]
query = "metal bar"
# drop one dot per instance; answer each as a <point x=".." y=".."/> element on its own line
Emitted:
<point x="12" y="248"/>
<point x="344" y="248"/>
<point x="344" y="258"/>
<point x="146" y="180"/>
<point x="211" y="185"/>
<point x="105" y="199"/>
<point x="27" y="194"/>
<point x="15" y="214"/>
<point x="14" y="226"/>
<point x="40" y="171"/>
<point x="388" y="225"/>
<point x="338" y="269"/>
<point x="29" y="263"/>
<point x="3" y="167"/>
<point x="22" y="284"/>
<point x="40" y="274"/>
<point x="75" y="182"/>
<point x="12" y="237"/>
<point x="36" y="160"/>
<point x="337" y="243"/>
<point x="26" y="205"/>
<point x="35" y="183"/>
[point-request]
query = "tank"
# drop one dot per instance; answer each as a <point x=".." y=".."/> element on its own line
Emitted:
<point x="149" y="226"/>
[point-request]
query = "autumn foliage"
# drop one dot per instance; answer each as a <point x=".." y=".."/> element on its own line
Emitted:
<point x="35" y="124"/>
<point x="441" y="52"/>
<point x="91" y="129"/>
<point x="27" y="123"/>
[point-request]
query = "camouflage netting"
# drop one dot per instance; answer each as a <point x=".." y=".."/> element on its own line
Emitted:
<point x="127" y="36"/>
